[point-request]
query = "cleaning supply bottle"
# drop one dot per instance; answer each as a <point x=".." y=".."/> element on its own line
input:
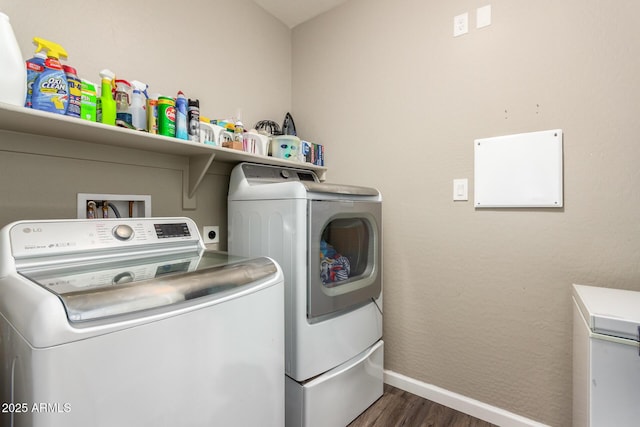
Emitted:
<point x="88" y="101"/>
<point x="75" y="91"/>
<point x="50" y="89"/>
<point x="238" y="131"/>
<point x="152" y="113"/>
<point x="35" y="66"/>
<point x="193" y="116"/>
<point x="123" y="103"/>
<point x="106" y="103"/>
<point x="139" y="105"/>
<point x="167" y="116"/>
<point x="181" y="116"/>
<point x="13" y="87"/>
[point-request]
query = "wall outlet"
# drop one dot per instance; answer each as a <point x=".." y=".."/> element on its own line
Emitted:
<point x="211" y="234"/>
<point x="460" y="24"/>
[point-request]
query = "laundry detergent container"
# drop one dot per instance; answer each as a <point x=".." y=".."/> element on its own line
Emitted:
<point x="286" y="147"/>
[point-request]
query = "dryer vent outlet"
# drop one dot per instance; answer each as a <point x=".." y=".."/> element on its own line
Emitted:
<point x="211" y="234"/>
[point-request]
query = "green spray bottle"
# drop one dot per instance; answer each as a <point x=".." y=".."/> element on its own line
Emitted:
<point x="106" y="103"/>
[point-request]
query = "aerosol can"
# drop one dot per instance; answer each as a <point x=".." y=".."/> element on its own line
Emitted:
<point x="181" y="116"/>
<point x="193" y="118"/>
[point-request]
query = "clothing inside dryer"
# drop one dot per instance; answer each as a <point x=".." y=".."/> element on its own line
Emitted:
<point x="344" y="250"/>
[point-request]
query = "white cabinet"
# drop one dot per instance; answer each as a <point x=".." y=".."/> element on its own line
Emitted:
<point x="606" y="362"/>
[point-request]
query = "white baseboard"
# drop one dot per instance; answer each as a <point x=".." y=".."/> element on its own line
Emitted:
<point x="458" y="402"/>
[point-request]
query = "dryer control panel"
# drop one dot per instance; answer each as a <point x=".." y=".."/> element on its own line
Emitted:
<point x="260" y="174"/>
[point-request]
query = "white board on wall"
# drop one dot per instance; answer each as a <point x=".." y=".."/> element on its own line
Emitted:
<point x="523" y="170"/>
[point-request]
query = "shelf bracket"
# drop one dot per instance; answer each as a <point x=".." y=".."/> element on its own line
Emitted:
<point x="192" y="176"/>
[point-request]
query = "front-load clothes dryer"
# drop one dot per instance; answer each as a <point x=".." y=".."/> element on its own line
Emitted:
<point x="133" y="323"/>
<point x="328" y="240"/>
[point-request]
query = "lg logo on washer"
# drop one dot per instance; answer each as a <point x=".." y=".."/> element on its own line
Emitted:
<point x="32" y="230"/>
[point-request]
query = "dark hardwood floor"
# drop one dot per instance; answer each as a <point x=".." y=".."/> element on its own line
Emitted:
<point x="400" y="408"/>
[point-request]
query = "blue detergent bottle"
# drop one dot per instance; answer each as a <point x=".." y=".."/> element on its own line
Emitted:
<point x="50" y="88"/>
<point x="35" y="66"/>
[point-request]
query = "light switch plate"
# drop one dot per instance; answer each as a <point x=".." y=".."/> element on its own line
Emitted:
<point x="461" y="189"/>
<point x="483" y="16"/>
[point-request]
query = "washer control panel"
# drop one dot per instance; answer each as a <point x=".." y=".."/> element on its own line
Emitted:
<point x="123" y="232"/>
<point x="60" y="237"/>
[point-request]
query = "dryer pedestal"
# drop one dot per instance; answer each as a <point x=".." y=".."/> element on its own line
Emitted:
<point x="338" y="396"/>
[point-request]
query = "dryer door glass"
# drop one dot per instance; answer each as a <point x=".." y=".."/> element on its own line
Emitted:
<point x="344" y="251"/>
<point x="345" y="255"/>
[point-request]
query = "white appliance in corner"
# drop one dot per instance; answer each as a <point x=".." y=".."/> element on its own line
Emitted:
<point x="606" y="357"/>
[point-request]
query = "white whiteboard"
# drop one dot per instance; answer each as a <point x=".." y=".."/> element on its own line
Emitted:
<point x="523" y="170"/>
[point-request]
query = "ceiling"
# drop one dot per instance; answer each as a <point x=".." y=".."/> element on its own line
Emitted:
<point x="294" y="12"/>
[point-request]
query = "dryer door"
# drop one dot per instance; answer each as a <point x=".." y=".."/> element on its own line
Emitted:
<point x="345" y="255"/>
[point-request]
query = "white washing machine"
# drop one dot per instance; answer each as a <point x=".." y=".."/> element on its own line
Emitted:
<point x="133" y="323"/>
<point x="328" y="240"/>
<point x="606" y="357"/>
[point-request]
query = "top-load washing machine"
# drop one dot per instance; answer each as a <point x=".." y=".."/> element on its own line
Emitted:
<point x="134" y="323"/>
<point x="328" y="240"/>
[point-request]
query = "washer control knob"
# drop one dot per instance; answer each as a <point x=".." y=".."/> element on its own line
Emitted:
<point x="284" y="173"/>
<point x="123" y="232"/>
<point x="122" y="278"/>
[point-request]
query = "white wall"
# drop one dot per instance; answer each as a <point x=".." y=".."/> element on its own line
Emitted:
<point x="478" y="301"/>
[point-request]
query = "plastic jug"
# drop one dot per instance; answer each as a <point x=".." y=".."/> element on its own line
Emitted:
<point x="286" y="147"/>
<point x="13" y="80"/>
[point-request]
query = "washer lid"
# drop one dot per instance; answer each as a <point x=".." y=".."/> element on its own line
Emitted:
<point x="124" y="287"/>
<point x="613" y="312"/>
